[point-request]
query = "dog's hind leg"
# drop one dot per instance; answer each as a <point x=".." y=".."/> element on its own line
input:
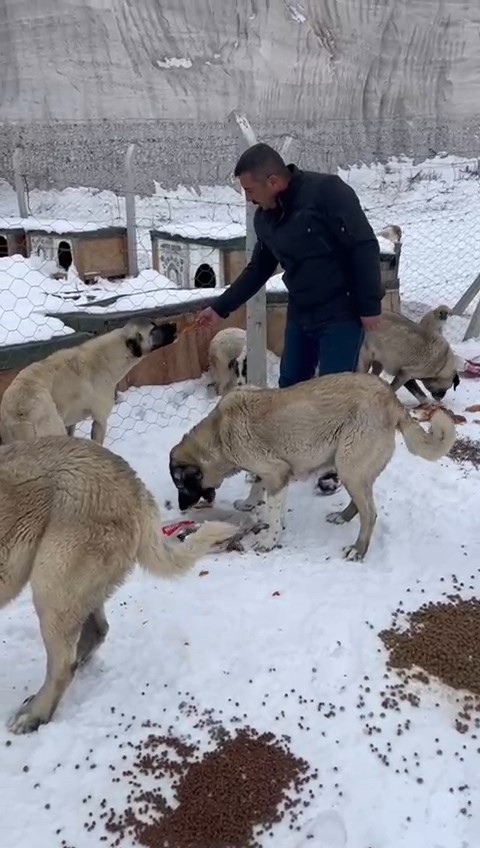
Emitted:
<point x="359" y="461"/>
<point x="69" y="584"/>
<point x="362" y="502"/>
<point x="60" y="636"/>
<point x="94" y="633"/>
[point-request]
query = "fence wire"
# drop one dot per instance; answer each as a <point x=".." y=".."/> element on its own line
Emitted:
<point x="64" y="269"/>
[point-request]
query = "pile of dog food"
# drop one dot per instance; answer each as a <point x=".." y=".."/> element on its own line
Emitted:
<point x="466" y="450"/>
<point x="179" y="796"/>
<point x="441" y="640"/>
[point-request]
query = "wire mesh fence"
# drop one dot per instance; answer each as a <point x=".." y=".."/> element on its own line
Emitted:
<point x="65" y="271"/>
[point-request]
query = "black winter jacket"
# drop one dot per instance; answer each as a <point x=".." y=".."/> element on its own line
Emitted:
<point x="320" y="236"/>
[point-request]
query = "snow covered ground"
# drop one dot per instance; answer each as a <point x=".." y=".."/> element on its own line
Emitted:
<point x="264" y="632"/>
<point x="293" y="622"/>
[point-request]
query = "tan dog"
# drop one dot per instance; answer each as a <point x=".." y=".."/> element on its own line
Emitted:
<point x="50" y="397"/>
<point x="435" y="319"/>
<point x="74" y="519"/>
<point x="345" y="422"/>
<point x="223" y="359"/>
<point x="410" y="352"/>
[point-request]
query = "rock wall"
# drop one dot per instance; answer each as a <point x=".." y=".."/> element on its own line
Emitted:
<point x="352" y="79"/>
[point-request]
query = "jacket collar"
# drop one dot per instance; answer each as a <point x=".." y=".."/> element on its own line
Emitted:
<point x="285" y="197"/>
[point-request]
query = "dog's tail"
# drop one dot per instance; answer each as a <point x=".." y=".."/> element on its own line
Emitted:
<point x="430" y="444"/>
<point x="163" y="559"/>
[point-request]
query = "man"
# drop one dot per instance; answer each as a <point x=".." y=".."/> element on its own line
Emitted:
<point x="311" y="224"/>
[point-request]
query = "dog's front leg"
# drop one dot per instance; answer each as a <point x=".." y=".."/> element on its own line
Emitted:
<point x="399" y="380"/>
<point x="272" y="515"/>
<point x="415" y="390"/>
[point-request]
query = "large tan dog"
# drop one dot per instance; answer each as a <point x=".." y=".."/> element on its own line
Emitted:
<point x="410" y="352"/>
<point x="74" y="519"/>
<point x="50" y="397"/>
<point x="345" y="422"/>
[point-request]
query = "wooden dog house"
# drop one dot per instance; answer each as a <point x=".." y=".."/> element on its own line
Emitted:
<point x="12" y="242"/>
<point x="101" y="252"/>
<point x="195" y="260"/>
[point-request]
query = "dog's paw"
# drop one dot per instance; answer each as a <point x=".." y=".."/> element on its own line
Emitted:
<point x="265" y="540"/>
<point x="244" y="505"/>
<point x="335" y="518"/>
<point x="351" y="554"/>
<point x="25" y="720"/>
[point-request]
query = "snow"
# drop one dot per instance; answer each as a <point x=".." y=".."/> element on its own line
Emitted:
<point x="24" y="298"/>
<point x="300" y="610"/>
<point x="58" y="226"/>
<point x="205" y="229"/>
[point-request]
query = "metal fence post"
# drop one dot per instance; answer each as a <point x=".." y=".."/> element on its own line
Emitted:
<point x="130" y="212"/>
<point x="257" y="305"/>
<point x="19" y="172"/>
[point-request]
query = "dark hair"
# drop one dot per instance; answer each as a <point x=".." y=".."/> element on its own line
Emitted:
<point x="261" y="160"/>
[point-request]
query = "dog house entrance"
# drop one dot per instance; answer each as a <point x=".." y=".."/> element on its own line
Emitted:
<point x="205" y="277"/>
<point x="64" y="255"/>
<point x="3" y="247"/>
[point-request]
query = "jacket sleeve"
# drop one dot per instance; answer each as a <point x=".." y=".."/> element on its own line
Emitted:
<point x="260" y="268"/>
<point x="352" y="233"/>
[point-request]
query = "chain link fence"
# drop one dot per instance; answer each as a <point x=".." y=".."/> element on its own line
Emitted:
<point x="65" y="271"/>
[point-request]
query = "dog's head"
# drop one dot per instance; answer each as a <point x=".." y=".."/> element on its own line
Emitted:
<point x="189" y="482"/>
<point x="442" y="313"/>
<point x="438" y="387"/>
<point x="239" y="368"/>
<point x="143" y="335"/>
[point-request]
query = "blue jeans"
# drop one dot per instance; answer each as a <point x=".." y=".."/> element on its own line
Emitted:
<point x="334" y="347"/>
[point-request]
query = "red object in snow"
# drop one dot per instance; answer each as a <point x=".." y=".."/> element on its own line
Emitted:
<point x="471" y="368"/>
<point x="178" y="528"/>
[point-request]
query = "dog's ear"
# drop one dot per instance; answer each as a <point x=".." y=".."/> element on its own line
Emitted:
<point x="134" y="344"/>
<point x="456" y="381"/>
<point x="183" y="473"/>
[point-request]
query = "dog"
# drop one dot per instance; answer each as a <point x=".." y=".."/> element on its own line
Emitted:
<point x="75" y="518"/>
<point x="342" y="422"/>
<point x="409" y="352"/>
<point x="392" y="233"/>
<point x="435" y="319"/>
<point x="227" y="360"/>
<point x="52" y="396"/>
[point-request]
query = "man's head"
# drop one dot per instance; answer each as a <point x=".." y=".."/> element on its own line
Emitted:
<point x="262" y="174"/>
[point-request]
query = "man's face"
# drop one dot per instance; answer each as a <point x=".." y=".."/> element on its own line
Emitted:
<point x="262" y="191"/>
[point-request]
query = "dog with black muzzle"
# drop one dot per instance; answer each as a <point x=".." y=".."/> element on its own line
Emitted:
<point x="341" y="422"/>
<point x="188" y="480"/>
<point x="52" y="396"/>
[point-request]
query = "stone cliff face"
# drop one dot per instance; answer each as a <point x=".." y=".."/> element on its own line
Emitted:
<point x="353" y="79"/>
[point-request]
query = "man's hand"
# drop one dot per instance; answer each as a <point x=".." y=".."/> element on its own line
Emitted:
<point x="371" y="322"/>
<point x="207" y="318"/>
